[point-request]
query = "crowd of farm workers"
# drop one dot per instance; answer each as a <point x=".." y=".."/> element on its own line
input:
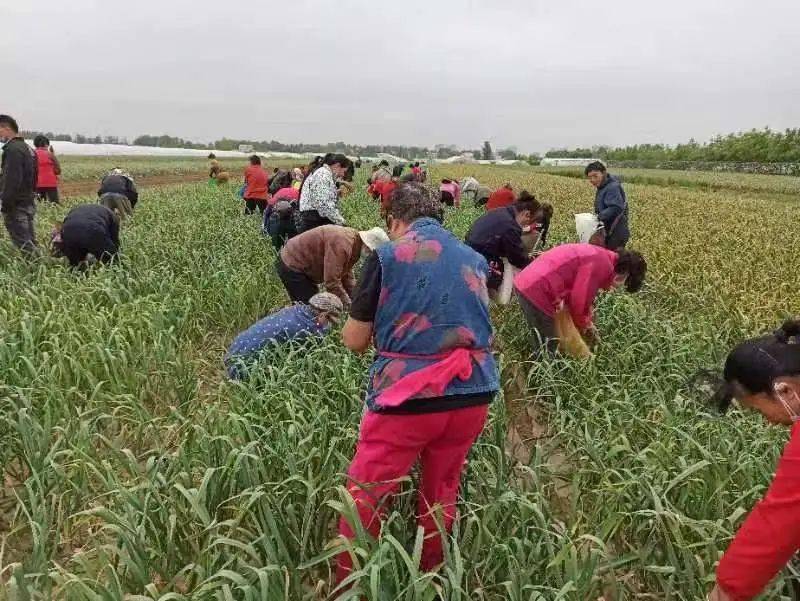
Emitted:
<point x="422" y="303"/>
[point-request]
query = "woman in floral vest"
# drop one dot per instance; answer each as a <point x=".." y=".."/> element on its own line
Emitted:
<point x="422" y="301"/>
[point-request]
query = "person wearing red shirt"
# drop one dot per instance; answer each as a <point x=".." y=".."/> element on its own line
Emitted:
<point x="256" y="183"/>
<point x="502" y="197"/>
<point x="48" y="170"/>
<point x="764" y="374"/>
<point x="571" y="276"/>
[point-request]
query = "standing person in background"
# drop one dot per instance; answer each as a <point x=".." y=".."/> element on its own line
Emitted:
<point x="18" y="175"/>
<point x="502" y="197"/>
<point x="571" y="276"/>
<point x="88" y="230"/>
<point x="497" y="235"/>
<point x="319" y="196"/>
<point x="433" y="375"/>
<point x="119" y="182"/>
<point x="764" y="374"/>
<point x="417" y="171"/>
<point x="325" y="255"/>
<point x="255" y="192"/>
<point x="213" y="166"/>
<point x="610" y="205"/>
<point x="48" y="170"/>
<point x="450" y="193"/>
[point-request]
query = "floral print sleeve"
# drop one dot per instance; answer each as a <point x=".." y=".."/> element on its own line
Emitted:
<point x="319" y="194"/>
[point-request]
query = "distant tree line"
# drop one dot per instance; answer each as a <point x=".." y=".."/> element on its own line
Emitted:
<point x="165" y="141"/>
<point x="762" y="146"/>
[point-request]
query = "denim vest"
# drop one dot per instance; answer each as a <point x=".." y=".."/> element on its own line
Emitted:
<point x="433" y="299"/>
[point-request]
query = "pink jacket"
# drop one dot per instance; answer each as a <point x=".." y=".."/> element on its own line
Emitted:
<point x="573" y="273"/>
<point x="454" y="189"/>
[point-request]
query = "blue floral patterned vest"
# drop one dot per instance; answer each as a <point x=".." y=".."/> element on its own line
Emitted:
<point x="433" y="298"/>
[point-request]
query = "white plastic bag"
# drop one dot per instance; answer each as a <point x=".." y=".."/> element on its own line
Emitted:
<point x="586" y="224"/>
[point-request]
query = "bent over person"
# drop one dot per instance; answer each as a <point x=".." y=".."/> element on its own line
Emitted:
<point x="88" y="230"/>
<point x="325" y="255"/>
<point x="119" y="182"/>
<point x="570" y="277"/>
<point x="423" y="300"/>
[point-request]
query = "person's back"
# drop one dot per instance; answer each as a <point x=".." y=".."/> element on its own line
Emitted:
<point x="90" y="228"/>
<point x="550" y="278"/>
<point x="502" y="197"/>
<point x="118" y="182"/>
<point x="256" y="180"/>
<point x="296" y="322"/>
<point x="450" y="310"/>
<point x="47" y="169"/>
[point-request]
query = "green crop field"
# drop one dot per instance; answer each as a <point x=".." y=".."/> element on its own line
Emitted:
<point x="134" y="470"/>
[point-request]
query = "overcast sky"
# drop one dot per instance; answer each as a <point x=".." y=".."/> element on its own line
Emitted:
<point x="528" y="73"/>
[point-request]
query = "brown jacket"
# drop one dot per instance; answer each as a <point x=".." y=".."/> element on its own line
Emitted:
<point x="326" y="254"/>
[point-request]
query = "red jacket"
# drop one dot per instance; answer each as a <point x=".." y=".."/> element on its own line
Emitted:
<point x="290" y="194"/>
<point x="771" y="533"/>
<point x="257" y="182"/>
<point x="47" y="169"/>
<point x="384" y="188"/>
<point x="573" y="273"/>
<point x="502" y="197"/>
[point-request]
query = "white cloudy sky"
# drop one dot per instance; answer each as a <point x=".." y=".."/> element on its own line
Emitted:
<point x="528" y="73"/>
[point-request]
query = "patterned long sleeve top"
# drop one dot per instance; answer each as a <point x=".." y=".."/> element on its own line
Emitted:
<point x="319" y="194"/>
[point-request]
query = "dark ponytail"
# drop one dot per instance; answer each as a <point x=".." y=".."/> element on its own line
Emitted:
<point x="755" y="364"/>
<point x="632" y="264"/>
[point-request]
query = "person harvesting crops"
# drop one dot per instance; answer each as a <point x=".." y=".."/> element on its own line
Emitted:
<point x="423" y="301"/>
<point x="502" y="197"/>
<point x="469" y="187"/>
<point x="325" y="255"/>
<point x="610" y="205"/>
<point x="497" y="235"/>
<point x="764" y="374"/>
<point x="570" y="276"/>
<point x="18" y="175"/>
<point x="256" y="186"/>
<point x="294" y="323"/>
<point x="319" y="196"/>
<point x="90" y="229"/>
<point x="117" y="181"/>
<point x="450" y="193"/>
<point x="48" y="170"/>
<point x="381" y="172"/>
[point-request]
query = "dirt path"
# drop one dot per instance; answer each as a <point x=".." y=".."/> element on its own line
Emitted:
<point x="86" y="187"/>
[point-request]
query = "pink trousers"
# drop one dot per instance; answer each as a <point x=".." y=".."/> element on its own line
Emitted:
<point x="387" y="448"/>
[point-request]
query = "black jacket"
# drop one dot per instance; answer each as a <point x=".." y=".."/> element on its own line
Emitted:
<point x="497" y="235"/>
<point x="90" y="221"/>
<point x="18" y="177"/>
<point x="119" y="184"/>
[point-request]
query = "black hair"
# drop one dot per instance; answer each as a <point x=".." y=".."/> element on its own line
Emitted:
<point x="212" y="156"/>
<point x="351" y="171"/>
<point x="416" y="164"/>
<point x="411" y="201"/>
<point x="755" y="364"/>
<point x="255" y="160"/>
<point x="384" y="163"/>
<point x="41" y="141"/>
<point x="594" y="166"/>
<point x="632" y="264"/>
<point x="547" y="210"/>
<point x="10" y="122"/>
<point x="526" y="202"/>
<point x="397" y="171"/>
<point x="337" y="159"/>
